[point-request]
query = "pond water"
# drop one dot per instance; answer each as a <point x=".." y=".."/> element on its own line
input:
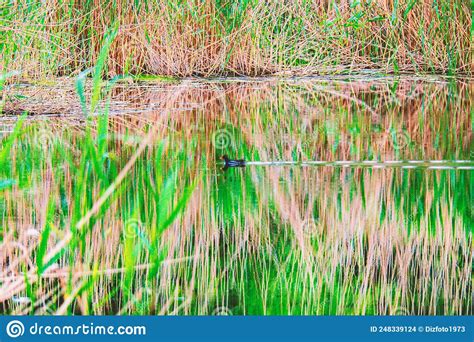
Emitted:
<point x="357" y="198"/>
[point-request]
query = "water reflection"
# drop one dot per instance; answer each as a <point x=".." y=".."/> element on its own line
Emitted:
<point x="356" y="197"/>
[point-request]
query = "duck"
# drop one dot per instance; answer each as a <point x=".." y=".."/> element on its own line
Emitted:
<point x="232" y="162"/>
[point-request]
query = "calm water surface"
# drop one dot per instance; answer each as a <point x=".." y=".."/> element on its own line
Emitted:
<point x="357" y="197"/>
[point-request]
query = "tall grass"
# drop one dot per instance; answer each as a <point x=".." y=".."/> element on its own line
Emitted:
<point x="245" y="37"/>
<point x="98" y="180"/>
<point x="179" y="236"/>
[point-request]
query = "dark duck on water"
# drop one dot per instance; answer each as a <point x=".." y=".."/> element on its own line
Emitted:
<point x="228" y="163"/>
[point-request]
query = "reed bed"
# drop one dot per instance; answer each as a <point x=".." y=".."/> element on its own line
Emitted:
<point x="179" y="236"/>
<point x="245" y="37"/>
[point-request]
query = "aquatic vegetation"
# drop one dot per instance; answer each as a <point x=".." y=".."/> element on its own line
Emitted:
<point x="177" y="235"/>
<point x="245" y="37"/>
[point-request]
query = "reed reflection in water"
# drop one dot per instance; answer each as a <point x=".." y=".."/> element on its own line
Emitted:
<point x="268" y="239"/>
